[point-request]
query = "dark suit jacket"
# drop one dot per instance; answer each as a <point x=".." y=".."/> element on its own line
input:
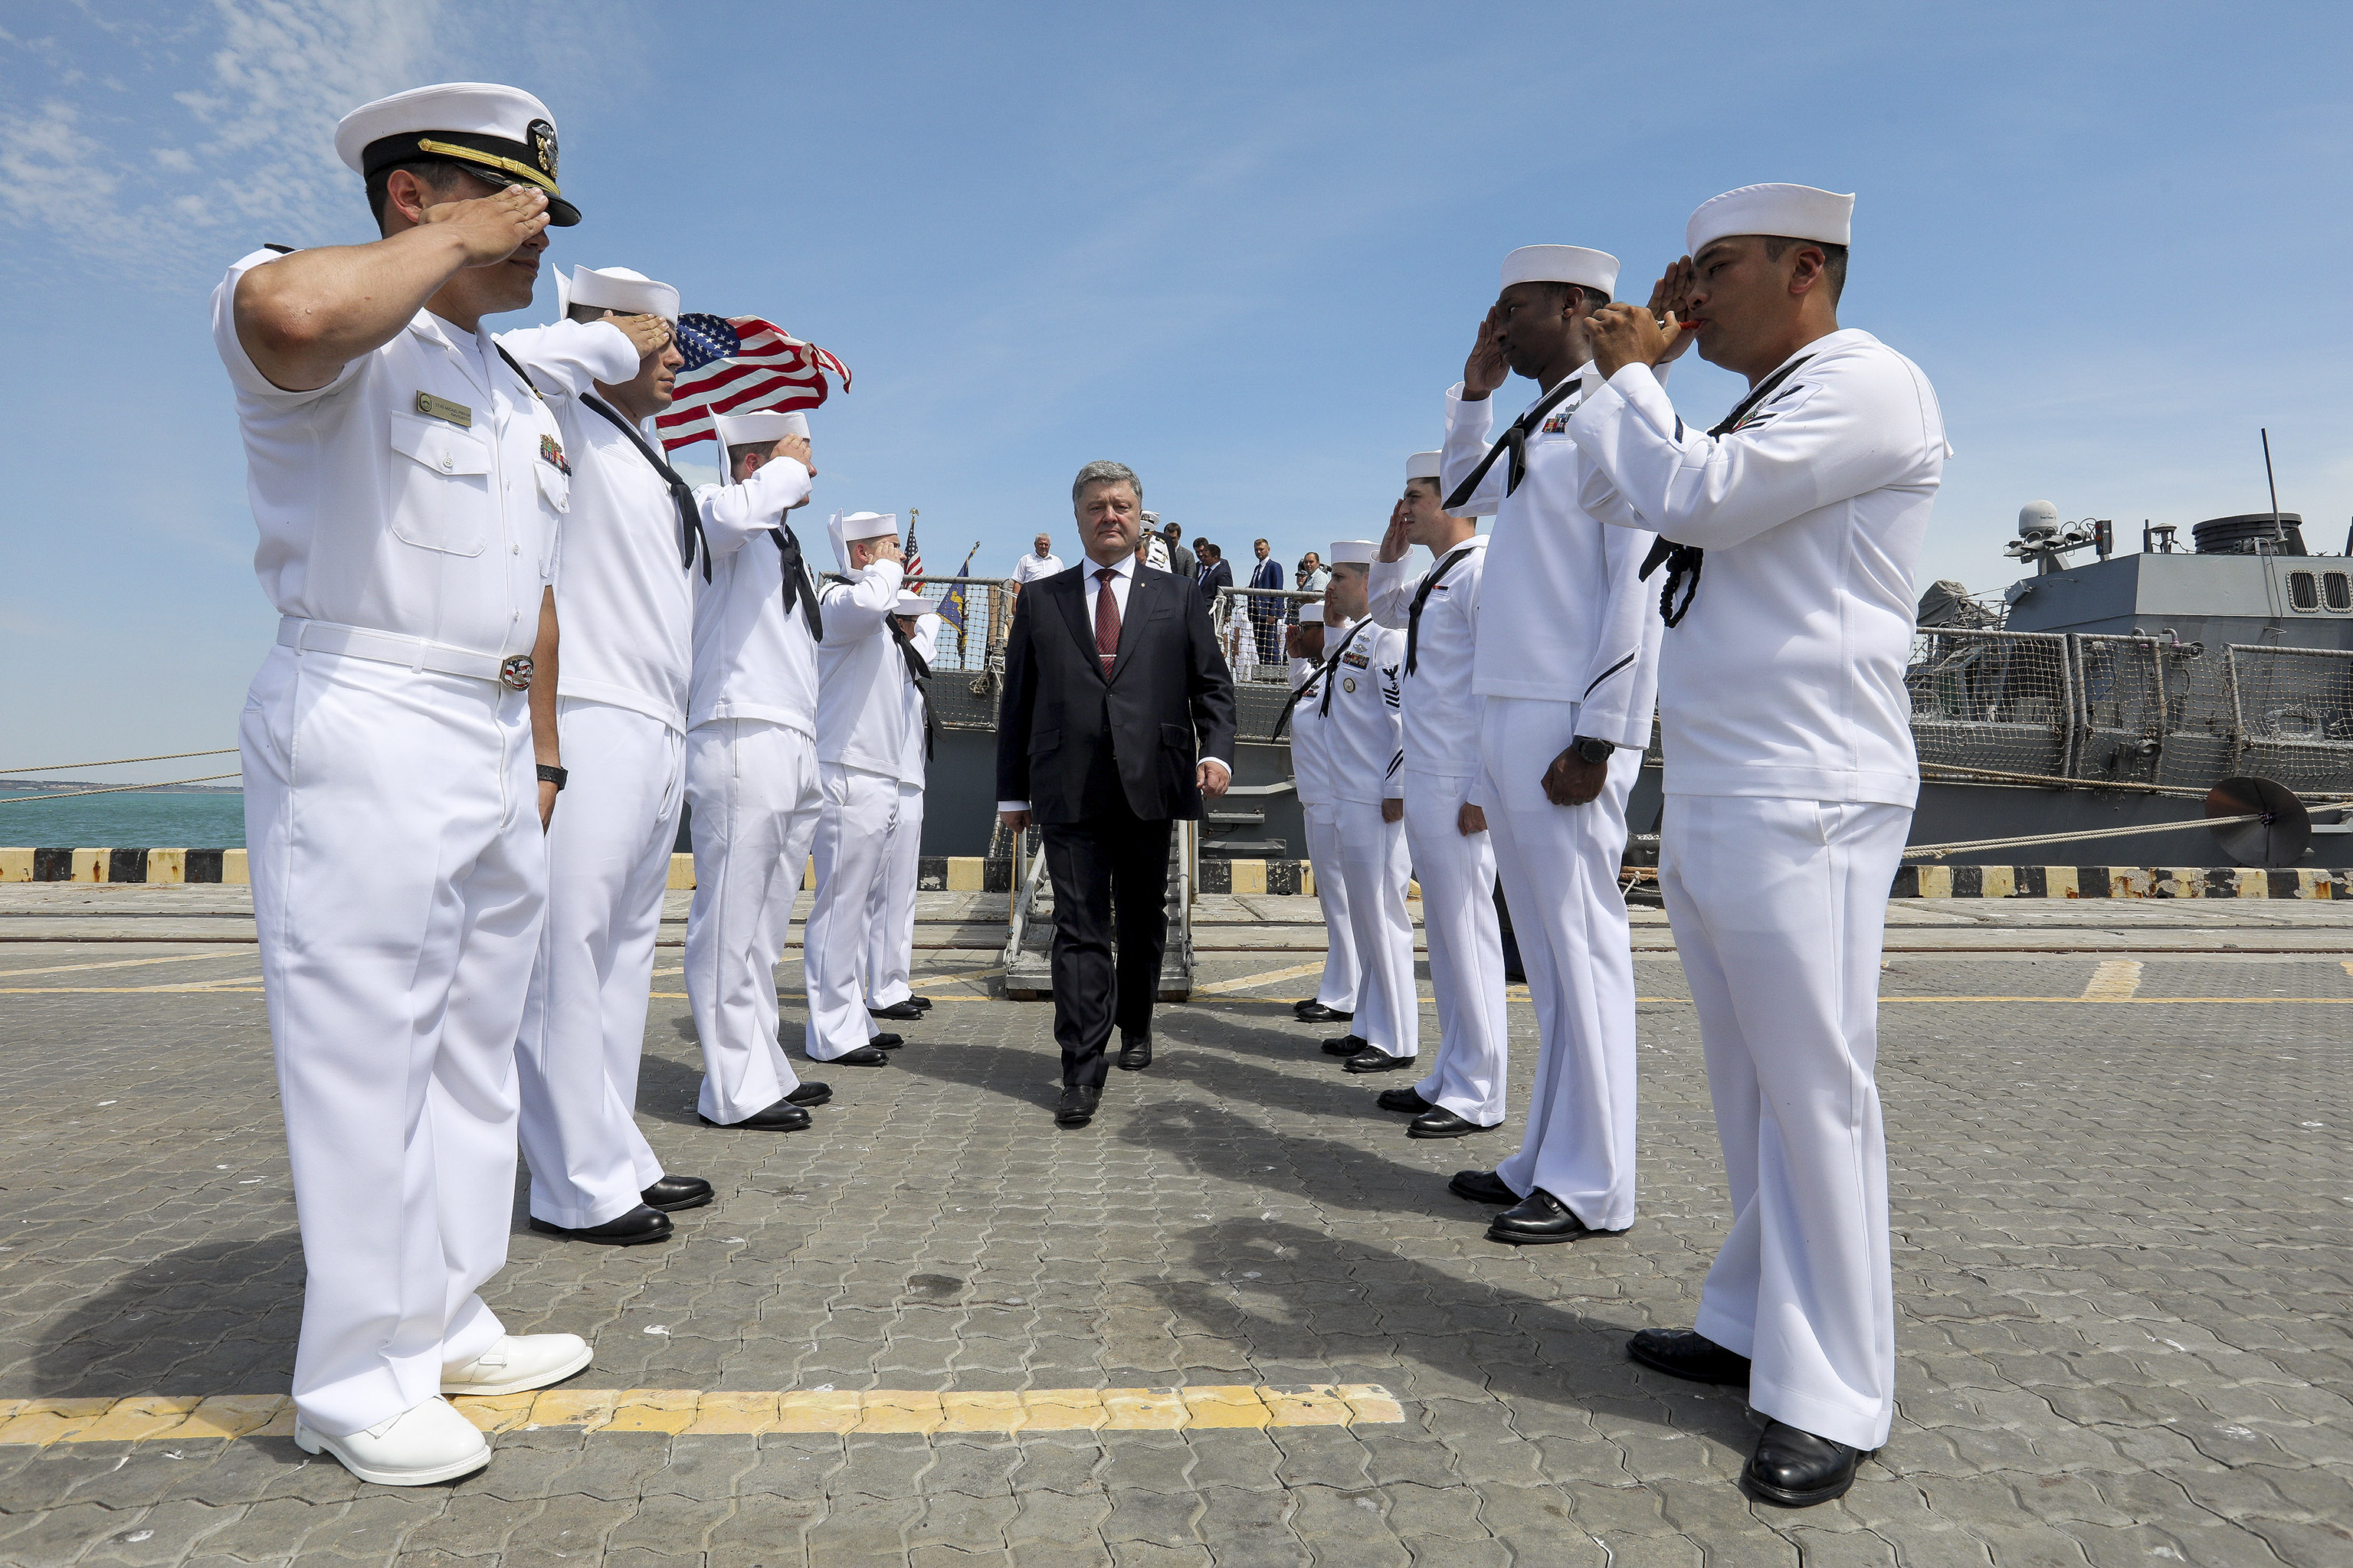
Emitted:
<point x="1071" y="742"/>
<point x="1267" y="574"/>
<point x="1209" y="579"/>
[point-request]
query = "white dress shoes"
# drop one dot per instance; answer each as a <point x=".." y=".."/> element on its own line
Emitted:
<point x="516" y="1362"/>
<point x="428" y="1443"/>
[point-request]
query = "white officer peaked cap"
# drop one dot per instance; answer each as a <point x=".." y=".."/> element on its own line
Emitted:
<point x="849" y="528"/>
<point x="1421" y="466"/>
<point x="502" y="133"/>
<point x="1312" y="614"/>
<point x="908" y="604"/>
<point x="615" y="289"/>
<point x="1786" y="212"/>
<point x="1562" y="264"/>
<point x="1352" y="551"/>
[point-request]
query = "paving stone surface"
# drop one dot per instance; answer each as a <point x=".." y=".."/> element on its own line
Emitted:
<point x="2122" y="1274"/>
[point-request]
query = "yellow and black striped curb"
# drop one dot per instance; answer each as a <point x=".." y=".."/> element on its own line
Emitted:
<point x="690" y="1413"/>
<point x="2118" y="882"/>
<point x="939" y="873"/>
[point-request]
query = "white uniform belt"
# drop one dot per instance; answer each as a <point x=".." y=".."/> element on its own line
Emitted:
<point x="386" y="648"/>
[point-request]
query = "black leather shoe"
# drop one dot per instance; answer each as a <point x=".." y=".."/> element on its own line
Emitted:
<point x="673" y="1194"/>
<point x="782" y="1116"/>
<point x="885" y="1041"/>
<point x="1314" y="1012"/>
<point x="1134" y="1052"/>
<point x="1078" y="1106"/>
<point x="863" y="1056"/>
<point x="1372" y="1059"/>
<point x="1440" y="1122"/>
<point x="634" y="1228"/>
<point x="1482" y="1187"/>
<point x="899" y="1012"/>
<point x="1680" y="1353"/>
<point x="1407" y="1101"/>
<point x="1796" y="1469"/>
<point x="1538" y="1219"/>
<point x="810" y="1096"/>
<point x="922" y="1001"/>
<point x="1346" y="1046"/>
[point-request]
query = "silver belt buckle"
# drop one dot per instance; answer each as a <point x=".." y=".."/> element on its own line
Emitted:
<point x="514" y="672"/>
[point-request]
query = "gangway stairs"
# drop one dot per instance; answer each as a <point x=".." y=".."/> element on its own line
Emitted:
<point x="1029" y="936"/>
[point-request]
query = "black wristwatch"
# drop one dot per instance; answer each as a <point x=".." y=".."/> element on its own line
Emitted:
<point x="1590" y="750"/>
<point x="549" y="773"/>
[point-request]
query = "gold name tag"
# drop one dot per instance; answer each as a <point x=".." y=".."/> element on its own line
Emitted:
<point x="434" y="408"/>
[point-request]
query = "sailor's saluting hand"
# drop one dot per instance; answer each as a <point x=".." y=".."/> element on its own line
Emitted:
<point x="1394" y="544"/>
<point x="491" y="228"/>
<point x="1486" y="369"/>
<point x="649" y="334"/>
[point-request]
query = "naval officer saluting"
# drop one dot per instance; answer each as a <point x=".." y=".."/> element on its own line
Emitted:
<point x="751" y="767"/>
<point x="624" y="596"/>
<point x="1450" y="848"/>
<point x="1792" y="530"/>
<point x="1565" y="665"/>
<point x="407" y="483"/>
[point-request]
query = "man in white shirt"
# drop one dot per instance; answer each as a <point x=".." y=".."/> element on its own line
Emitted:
<point x="1359" y="711"/>
<point x="1566" y="665"/>
<point x="1452" y="855"/>
<point x="626" y="593"/>
<point x="1335" y="1001"/>
<point x="1790" y="786"/>
<point x="751" y="768"/>
<point x="407" y="483"/>
<point x="1041" y="561"/>
<point x="863" y="764"/>
<point x="889" y="956"/>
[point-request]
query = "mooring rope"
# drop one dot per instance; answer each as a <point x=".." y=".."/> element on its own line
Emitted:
<point x="116" y="789"/>
<point x="118" y="762"/>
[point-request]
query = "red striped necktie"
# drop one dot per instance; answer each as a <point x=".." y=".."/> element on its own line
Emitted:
<point x="1106" y="619"/>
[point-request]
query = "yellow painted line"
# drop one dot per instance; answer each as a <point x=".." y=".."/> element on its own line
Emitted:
<point x="120" y="990"/>
<point x="1243" y="983"/>
<point x="124" y="962"/>
<point x="691" y="1413"/>
<point x="2115" y="980"/>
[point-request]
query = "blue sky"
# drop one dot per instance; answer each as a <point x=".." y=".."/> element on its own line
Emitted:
<point x="1240" y="248"/>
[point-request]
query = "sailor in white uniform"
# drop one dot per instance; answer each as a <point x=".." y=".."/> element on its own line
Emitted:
<point x="1567" y="666"/>
<point x="624" y="594"/>
<point x="1794" y="527"/>
<point x="1452" y="854"/>
<point x="751" y="768"/>
<point x="862" y="749"/>
<point x="407" y="483"/>
<point x="1365" y="741"/>
<point x="891" y="906"/>
<point x="1335" y="1001"/>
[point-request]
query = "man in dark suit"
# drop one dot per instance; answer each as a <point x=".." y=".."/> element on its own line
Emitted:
<point x="1113" y="687"/>
<point x="1216" y="572"/>
<point x="1266" y="614"/>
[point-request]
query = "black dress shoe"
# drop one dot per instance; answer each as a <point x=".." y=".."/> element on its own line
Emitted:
<point x="1134" y="1052"/>
<point x="1078" y="1105"/>
<point x="1374" y="1060"/>
<point x="812" y="1094"/>
<point x="1346" y="1046"/>
<point x="673" y="1194"/>
<point x="922" y="1001"/>
<point x="1440" y="1122"/>
<point x="1539" y="1219"/>
<point x="1796" y="1469"/>
<point x="885" y="1041"/>
<point x="634" y="1228"/>
<point x="1482" y="1187"/>
<point x="782" y="1116"/>
<point x="1680" y="1353"/>
<point x="1314" y="1012"/>
<point x="1408" y="1101"/>
<point x="863" y="1056"/>
<point x="902" y="1012"/>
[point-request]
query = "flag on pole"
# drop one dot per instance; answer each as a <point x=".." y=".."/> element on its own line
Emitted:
<point x="741" y="365"/>
<point x="952" y="605"/>
<point x="914" y="553"/>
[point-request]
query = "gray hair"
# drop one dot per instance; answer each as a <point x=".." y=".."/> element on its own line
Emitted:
<point x="1106" y="472"/>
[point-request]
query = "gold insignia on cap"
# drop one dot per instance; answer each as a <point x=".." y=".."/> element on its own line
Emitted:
<point x="543" y="144"/>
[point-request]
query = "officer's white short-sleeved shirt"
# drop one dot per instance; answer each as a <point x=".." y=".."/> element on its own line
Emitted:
<point x="417" y="494"/>
<point x="1029" y="568"/>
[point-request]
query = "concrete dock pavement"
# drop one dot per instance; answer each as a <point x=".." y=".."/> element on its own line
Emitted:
<point x="1239" y="1319"/>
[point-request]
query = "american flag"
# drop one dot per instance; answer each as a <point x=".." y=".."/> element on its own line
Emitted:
<point x="741" y="365"/>
<point x="914" y="553"/>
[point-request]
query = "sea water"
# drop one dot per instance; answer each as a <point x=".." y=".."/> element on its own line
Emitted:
<point x="144" y="819"/>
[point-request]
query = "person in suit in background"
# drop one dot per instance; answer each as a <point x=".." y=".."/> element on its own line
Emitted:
<point x="1113" y="686"/>
<point x="1266" y="612"/>
<point x="1215" y="572"/>
<point x="1181" y="561"/>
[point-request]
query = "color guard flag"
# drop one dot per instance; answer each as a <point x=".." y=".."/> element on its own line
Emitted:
<point x="741" y="365"/>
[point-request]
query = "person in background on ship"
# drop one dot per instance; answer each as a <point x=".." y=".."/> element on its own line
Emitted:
<point x="862" y="762"/>
<point x="1041" y="561"/>
<point x="891" y="908"/>
<point x="1155" y="551"/>
<point x="1181" y="561"/>
<point x="625" y="592"/>
<point x="1215" y="572"/>
<point x="751" y="768"/>
<point x="1266" y="611"/>
<point x="407" y="483"/>
<point x="1451" y="849"/>
<point x="1790" y="783"/>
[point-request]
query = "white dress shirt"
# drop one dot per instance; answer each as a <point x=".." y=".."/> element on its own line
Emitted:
<point x="753" y="659"/>
<point x="862" y="715"/>
<point x="1441" y="712"/>
<point x="1029" y="568"/>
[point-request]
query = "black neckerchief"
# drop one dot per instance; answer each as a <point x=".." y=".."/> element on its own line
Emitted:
<point x="1515" y="441"/>
<point x="795" y="569"/>
<point x="1683" y="562"/>
<point x="920" y="673"/>
<point x="1421" y="597"/>
<point x="1307" y="687"/>
<point x="690" y="516"/>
